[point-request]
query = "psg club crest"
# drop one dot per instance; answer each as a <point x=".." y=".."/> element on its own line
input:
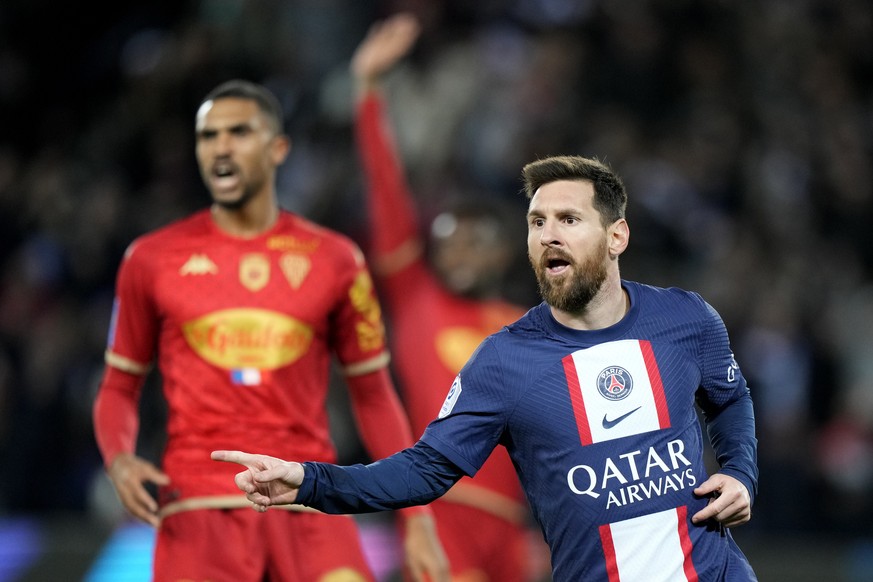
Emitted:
<point x="614" y="383"/>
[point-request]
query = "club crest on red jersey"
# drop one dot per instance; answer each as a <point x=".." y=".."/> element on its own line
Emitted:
<point x="254" y="271"/>
<point x="295" y="267"/>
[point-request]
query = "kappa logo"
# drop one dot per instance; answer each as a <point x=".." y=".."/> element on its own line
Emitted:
<point x="608" y="424"/>
<point x="198" y="264"/>
<point x="614" y="383"/>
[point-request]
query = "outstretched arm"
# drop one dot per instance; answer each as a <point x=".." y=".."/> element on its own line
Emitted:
<point x="414" y="476"/>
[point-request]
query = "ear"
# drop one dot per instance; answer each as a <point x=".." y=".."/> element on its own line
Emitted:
<point x="618" y="236"/>
<point x="280" y="148"/>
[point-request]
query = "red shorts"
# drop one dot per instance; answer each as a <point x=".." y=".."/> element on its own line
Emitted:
<point x="242" y="545"/>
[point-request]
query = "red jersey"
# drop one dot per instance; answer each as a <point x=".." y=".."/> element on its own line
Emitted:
<point x="243" y="331"/>
<point x="437" y="330"/>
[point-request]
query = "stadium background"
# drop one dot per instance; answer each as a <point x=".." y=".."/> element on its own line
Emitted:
<point x="744" y="131"/>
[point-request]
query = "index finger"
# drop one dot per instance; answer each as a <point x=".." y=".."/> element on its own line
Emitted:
<point x="707" y="512"/>
<point x="238" y="457"/>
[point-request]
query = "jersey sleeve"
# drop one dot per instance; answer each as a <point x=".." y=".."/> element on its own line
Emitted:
<point x="357" y="328"/>
<point x="727" y="405"/>
<point x="394" y="232"/>
<point x="381" y="421"/>
<point x="133" y="331"/>
<point x="116" y="413"/>
<point x="475" y="412"/>
<point x="129" y="351"/>
<point x="731" y="432"/>
<point x="722" y="380"/>
<point x="411" y="477"/>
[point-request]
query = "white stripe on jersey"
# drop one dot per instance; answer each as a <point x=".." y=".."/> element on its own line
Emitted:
<point x="636" y="403"/>
<point x="649" y="548"/>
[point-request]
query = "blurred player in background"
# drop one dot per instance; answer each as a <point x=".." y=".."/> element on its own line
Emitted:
<point x="440" y="307"/>
<point x="595" y="394"/>
<point x="242" y="306"/>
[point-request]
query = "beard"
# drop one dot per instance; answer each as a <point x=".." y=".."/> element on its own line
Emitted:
<point x="237" y="203"/>
<point x="572" y="292"/>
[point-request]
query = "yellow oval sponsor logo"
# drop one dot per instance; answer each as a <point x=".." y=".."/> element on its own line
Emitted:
<point x="254" y="338"/>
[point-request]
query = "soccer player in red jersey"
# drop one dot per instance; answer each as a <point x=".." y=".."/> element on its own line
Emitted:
<point x="242" y="306"/>
<point x="438" y="313"/>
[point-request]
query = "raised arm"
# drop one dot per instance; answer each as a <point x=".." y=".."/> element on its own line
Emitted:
<point x="393" y="220"/>
<point x="386" y="43"/>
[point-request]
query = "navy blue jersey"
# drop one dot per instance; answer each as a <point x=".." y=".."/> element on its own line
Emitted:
<point x="604" y="434"/>
<point x="603" y="430"/>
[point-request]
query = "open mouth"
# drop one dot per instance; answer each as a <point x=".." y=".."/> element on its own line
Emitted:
<point x="224" y="175"/>
<point x="556" y="265"/>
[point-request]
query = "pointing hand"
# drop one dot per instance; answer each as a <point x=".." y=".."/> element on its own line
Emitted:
<point x="267" y="480"/>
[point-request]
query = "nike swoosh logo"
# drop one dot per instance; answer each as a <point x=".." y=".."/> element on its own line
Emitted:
<point x="607" y="424"/>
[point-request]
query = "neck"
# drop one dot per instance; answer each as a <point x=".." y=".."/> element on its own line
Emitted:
<point x="249" y="220"/>
<point x="605" y="309"/>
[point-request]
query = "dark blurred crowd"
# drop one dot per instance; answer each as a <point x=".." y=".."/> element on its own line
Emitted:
<point x="744" y="132"/>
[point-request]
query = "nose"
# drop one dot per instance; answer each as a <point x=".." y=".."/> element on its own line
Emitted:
<point x="222" y="143"/>
<point x="548" y="235"/>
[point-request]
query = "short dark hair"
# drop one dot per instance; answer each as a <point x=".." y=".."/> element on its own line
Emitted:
<point x="266" y="100"/>
<point x="610" y="196"/>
